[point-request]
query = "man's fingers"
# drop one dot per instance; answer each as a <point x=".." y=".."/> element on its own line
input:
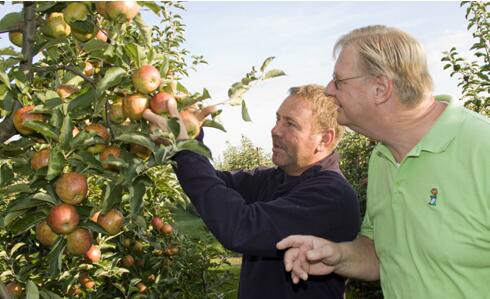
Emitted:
<point x="289" y="257"/>
<point x="204" y="112"/>
<point x="150" y="116"/>
<point x="292" y="241"/>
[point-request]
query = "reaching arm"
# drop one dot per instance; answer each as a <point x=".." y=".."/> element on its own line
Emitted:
<point x="317" y="256"/>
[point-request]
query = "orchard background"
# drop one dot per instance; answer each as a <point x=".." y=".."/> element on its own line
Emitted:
<point x="85" y="72"/>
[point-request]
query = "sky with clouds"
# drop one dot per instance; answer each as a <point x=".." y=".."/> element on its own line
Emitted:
<point x="234" y="36"/>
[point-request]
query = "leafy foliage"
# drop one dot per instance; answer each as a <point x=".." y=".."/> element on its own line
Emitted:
<point x="474" y="76"/>
<point x="245" y="156"/>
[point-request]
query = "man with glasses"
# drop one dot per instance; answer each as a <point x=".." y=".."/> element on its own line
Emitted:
<point x="250" y="211"/>
<point x="426" y="232"/>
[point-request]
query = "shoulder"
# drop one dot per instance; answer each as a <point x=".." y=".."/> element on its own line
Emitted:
<point x="329" y="185"/>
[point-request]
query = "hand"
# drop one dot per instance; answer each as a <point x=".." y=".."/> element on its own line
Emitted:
<point x="161" y="121"/>
<point x="309" y="255"/>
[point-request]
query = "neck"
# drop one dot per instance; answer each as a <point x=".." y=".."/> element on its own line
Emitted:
<point x="298" y="170"/>
<point x="405" y="127"/>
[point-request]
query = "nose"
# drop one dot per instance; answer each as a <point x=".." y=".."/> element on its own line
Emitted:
<point x="330" y="89"/>
<point x="275" y="130"/>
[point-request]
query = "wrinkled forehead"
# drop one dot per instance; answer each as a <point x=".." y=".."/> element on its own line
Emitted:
<point x="347" y="60"/>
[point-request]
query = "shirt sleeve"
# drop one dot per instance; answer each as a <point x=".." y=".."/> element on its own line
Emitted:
<point x="367" y="228"/>
<point x="321" y="206"/>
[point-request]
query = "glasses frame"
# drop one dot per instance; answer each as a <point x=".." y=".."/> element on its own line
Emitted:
<point x="336" y="82"/>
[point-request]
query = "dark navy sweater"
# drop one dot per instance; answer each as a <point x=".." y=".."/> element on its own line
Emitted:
<point x="249" y="212"/>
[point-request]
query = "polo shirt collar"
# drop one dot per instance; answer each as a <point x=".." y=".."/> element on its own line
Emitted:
<point x="439" y="136"/>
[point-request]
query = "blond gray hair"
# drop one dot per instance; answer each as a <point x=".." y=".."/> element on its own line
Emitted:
<point x="323" y="107"/>
<point x="393" y="53"/>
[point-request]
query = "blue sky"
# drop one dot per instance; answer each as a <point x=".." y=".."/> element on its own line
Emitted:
<point x="234" y="36"/>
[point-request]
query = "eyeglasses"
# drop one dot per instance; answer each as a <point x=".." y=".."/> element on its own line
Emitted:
<point x="337" y="81"/>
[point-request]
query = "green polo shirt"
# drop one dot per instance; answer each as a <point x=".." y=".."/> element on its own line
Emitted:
<point x="429" y="216"/>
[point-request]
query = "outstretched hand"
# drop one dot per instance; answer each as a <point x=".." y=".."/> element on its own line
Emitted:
<point x="161" y="121"/>
<point x="309" y="255"/>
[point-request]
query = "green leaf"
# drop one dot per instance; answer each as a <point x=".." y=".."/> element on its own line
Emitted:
<point x="213" y="124"/>
<point x="273" y="74"/>
<point x="6" y="98"/>
<point x="66" y="134"/>
<point x="16" y="188"/>
<point x="95" y="227"/>
<point x="95" y="45"/>
<point x="11" y="217"/>
<point x="266" y="63"/>
<point x="56" y="163"/>
<point x="174" y="126"/>
<point x="112" y="77"/>
<point x="136" y="193"/>
<point x="137" y="138"/>
<point x="31" y="290"/>
<point x="144" y="29"/>
<point x="45" y="129"/>
<point x="112" y="197"/>
<point x="6" y="175"/>
<point x="11" y="19"/>
<point x="56" y="119"/>
<point x="24" y="224"/>
<point x="195" y="146"/>
<point x="24" y="204"/>
<point x="245" y="115"/>
<point x="82" y="101"/>
<point x="151" y="5"/>
<point x="4" y="77"/>
<point x="136" y="53"/>
<point x="55" y="257"/>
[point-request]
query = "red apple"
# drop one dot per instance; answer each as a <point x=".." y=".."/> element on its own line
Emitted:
<point x="14" y="289"/>
<point x="128" y="261"/>
<point x="22" y="115"/>
<point x="40" y="159"/>
<point x="109" y="151"/>
<point x="146" y="79"/>
<point x="101" y="36"/>
<point x="72" y="188"/>
<point x="93" y="254"/>
<point x="79" y="241"/>
<point x="134" y="106"/>
<point x="45" y="235"/>
<point x="88" y="68"/>
<point x="158" y="103"/>
<point x="192" y="124"/>
<point x="100" y="131"/>
<point x="167" y="229"/>
<point x="65" y="91"/>
<point x="122" y="11"/>
<point x="63" y="219"/>
<point x="100" y="6"/>
<point x="112" y="221"/>
<point x="157" y="223"/>
<point x="116" y="112"/>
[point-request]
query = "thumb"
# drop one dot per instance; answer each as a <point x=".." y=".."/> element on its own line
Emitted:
<point x="204" y="112"/>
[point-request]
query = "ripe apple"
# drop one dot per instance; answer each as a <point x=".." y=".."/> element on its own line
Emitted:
<point x="75" y="11"/>
<point x="71" y="188"/>
<point x="95" y="216"/>
<point x="158" y="102"/>
<point x="146" y="79"/>
<point x="65" y="91"/>
<point x="101" y="35"/>
<point x="157" y="223"/>
<point x="45" y="235"/>
<point x="85" y="280"/>
<point x="167" y="229"/>
<point x="16" y="38"/>
<point x="79" y="241"/>
<point x="122" y="11"/>
<point x="127" y="242"/>
<point x="140" y="151"/>
<point x="22" y="115"/>
<point x="93" y="254"/>
<point x="141" y="286"/>
<point x="100" y="131"/>
<point x="40" y="159"/>
<point x="113" y="151"/>
<point x="14" y="289"/>
<point x="63" y="218"/>
<point x="192" y="124"/>
<point x="88" y="68"/>
<point x="116" y="112"/>
<point x="55" y="26"/>
<point x="128" y="261"/>
<point x="112" y="221"/>
<point x="134" y="106"/>
<point x="100" y="7"/>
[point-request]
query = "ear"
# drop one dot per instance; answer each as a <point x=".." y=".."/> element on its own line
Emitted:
<point x="326" y="141"/>
<point x="383" y="89"/>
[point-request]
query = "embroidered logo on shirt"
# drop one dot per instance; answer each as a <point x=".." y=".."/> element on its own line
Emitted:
<point x="433" y="197"/>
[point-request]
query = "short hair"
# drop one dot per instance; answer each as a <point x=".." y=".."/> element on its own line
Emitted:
<point x="323" y="107"/>
<point x="393" y="53"/>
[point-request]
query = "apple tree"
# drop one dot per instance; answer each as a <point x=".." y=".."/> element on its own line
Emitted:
<point x="85" y="182"/>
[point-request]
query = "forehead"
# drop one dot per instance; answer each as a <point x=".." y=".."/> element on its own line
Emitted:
<point x="295" y="107"/>
<point x="347" y="61"/>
